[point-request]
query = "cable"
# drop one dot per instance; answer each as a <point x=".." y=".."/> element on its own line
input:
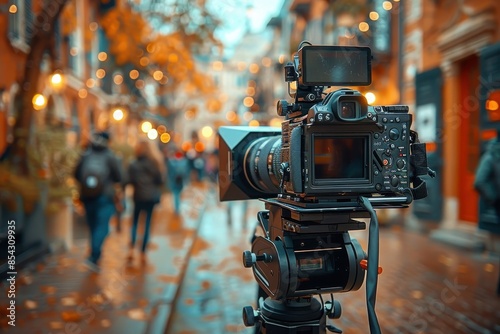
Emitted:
<point x="372" y="271"/>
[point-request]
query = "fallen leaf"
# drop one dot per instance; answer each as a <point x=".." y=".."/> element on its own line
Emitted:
<point x="48" y="289"/>
<point x="71" y="316"/>
<point x="51" y="300"/>
<point x="26" y="280"/>
<point x="96" y="299"/>
<point x="56" y="325"/>
<point x="143" y="302"/>
<point x="68" y="301"/>
<point x="105" y="323"/>
<point x="30" y="304"/>
<point x="205" y="285"/>
<point x="167" y="278"/>
<point x="137" y="314"/>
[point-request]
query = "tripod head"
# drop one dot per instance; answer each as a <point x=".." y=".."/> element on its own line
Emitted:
<point x="306" y="250"/>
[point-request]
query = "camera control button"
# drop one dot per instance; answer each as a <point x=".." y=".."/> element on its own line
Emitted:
<point x="400" y="163"/>
<point x="378" y="186"/>
<point x="394" y="181"/>
<point x="394" y="134"/>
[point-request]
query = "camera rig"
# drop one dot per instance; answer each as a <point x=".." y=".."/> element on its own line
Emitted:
<point x="334" y="160"/>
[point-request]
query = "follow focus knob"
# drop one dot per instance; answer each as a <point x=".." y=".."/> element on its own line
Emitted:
<point x="282" y="108"/>
<point x="249" y="258"/>
<point x="249" y="316"/>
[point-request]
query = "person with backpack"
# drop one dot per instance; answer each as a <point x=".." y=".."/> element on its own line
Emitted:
<point x="178" y="168"/>
<point x="98" y="173"/>
<point x="146" y="175"/>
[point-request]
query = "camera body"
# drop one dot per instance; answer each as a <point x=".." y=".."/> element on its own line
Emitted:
<point x="334" y="152"/>
<point x="331" y="149"/>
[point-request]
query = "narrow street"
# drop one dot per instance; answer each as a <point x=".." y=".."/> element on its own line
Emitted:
<point x="195" y="282"/>
<point x="216" y="286"/>
<point x="425" y="287"/>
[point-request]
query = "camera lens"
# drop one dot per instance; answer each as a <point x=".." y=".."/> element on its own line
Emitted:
<point x="262" y="164"/>
<point x="348" y="110"/>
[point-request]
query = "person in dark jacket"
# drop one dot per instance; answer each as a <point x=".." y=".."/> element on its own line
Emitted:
<point x="487" y="181"/>
<point x="98" y="203"/>
<point x="146" y="175"/>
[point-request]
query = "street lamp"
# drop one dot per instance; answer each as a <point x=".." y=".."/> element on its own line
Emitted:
<point x="56" y="81"/>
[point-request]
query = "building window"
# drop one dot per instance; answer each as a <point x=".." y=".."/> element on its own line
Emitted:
<point x="21" y="25"/>
<point x="413" y="11"/>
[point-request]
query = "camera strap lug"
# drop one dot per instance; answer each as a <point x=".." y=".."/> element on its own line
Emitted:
<point x="285" y="174"/>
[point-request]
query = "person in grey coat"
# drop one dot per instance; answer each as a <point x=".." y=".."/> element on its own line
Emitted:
<point x="146" y="175"/>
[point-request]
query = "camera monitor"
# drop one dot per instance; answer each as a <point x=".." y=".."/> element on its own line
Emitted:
<point x="340" y="159"/>
<point x="335" y="66"/>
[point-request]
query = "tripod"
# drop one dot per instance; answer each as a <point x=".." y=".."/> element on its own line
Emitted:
<point x="307" y="251"/>
<point x="301" y="315"/>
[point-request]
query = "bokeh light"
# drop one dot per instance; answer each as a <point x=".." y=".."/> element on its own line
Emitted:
<point x="118" y="114"/>
<point x="118" y="79"/>
<point x="134" y="74"/>
<point x="152" y="134"/>
<point x="146" y="126"/>
<point x="158" y="75"/>
<point x="102" y="56"/>
<point x="254" y="68"/>
<point x="231" y="116"/>
<point x="374" y="16"/>
<point x="217" y="65"/>
<point x="248" y="101"/>
<point x="100" y="73"/>
<point x="207" y="131"/>
<point x="363" y="27"/>
<point x="82" y="93"/>
<point x="165" y="137"/>
<point x="39" y="102"/>
<point x="370" y="97"/>
<point x="254" y="122"/>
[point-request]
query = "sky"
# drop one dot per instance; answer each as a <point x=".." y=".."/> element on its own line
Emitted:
<point x="242" y="15"/>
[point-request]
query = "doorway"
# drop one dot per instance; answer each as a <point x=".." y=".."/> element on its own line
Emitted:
<point x="469" y="148"/>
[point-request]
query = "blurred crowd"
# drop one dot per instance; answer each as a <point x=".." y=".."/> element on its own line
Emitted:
<point x="103" y="177"/>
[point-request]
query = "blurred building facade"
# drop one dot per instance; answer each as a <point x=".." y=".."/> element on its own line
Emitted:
<point x="450" y="75"/>
<point x="76" y="101"/>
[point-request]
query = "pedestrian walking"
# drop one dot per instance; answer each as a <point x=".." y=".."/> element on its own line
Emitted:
<point x="120" y="196"/>
<point x="98" y="173"/>
<point x="487" y="181"/>
<point x="146" y="174"/>
<point x="177" y="170"/>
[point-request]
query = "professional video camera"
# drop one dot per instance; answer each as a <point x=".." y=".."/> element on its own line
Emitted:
<point x="335" y="159"/>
